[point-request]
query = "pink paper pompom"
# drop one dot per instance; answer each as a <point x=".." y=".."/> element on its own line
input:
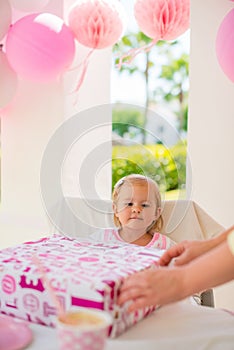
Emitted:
<point x="225" y="45"/>
<point x="159" y="20"/>
<point x="162" y="19"/>
<point x="40" y="47"/>
<point x="97" y="23"/>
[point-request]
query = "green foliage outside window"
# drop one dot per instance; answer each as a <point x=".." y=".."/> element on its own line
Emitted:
<point x="167" y="166"/>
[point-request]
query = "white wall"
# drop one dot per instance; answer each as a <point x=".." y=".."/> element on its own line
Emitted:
<point x="211" y="122"/>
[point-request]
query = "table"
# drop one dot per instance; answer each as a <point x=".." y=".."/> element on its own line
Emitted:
<point x="179" y="325"/>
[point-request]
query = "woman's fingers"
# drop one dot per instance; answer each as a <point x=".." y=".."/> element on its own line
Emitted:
<point x="130" y="289"/>
<point x="172" y="253"/>
<point x="137" y="304"/>
<point x="139" y="289"/>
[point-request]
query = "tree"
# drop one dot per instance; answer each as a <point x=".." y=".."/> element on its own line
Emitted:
<point x="127" y="122"/>
<point x="165" y="75"/>
<point x="174" y="86"/>
<point x="128" y="42"/>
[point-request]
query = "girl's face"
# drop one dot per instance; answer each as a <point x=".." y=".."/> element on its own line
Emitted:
<point x="136" y="205"/>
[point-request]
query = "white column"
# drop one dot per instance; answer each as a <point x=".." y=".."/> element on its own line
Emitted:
<point x="94" y="92"/>
<point x="26" y="128"/>
<point x="211" y="122"/>
<point x="93" y="95"/>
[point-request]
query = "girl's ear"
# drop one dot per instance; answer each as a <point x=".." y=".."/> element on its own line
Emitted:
<point x="158" y="213"/>
<point x="114" y="207"/>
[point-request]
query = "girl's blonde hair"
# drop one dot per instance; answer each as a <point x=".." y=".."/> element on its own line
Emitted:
<point x="156" y="226"/>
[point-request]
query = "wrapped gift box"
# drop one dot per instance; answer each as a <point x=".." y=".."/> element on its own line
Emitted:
<point x="82" y="273"/>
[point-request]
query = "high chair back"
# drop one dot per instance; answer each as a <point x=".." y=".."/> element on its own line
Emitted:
<point x="182" y="219"/>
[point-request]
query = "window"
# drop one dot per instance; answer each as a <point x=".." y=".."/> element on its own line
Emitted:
<point x="149" y="120"/>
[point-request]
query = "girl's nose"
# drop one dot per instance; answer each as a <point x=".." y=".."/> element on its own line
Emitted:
<point x="136" y="209"/>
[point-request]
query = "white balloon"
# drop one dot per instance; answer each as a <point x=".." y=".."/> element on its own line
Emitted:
<point x="5" y="17"/>
<point x="29" y="5"/>
<point x="8" y="81"/>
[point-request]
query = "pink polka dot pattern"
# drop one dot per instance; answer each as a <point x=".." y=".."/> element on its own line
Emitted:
<point x="85" y="341"/>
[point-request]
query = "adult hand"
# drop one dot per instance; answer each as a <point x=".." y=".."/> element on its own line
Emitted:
<point x="185" y="251"/>
<point x="153" y="287"/>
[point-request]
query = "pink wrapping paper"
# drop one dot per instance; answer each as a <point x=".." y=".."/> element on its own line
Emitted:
<point x="82" y="273"/>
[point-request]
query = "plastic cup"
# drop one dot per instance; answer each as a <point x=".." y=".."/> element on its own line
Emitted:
<point x="83" y="329"/>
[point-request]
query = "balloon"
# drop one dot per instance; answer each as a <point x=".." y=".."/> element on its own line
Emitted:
<point x="29" y="5"/>
<point x="225" y="45"/>
<point x="40" y="47"/>
<point x="5" y="17"/>
<point x="8" y="81"/>
<point x="159" y="20"/>
<point x="162" y="20"/>
<point x="97" y="23"/>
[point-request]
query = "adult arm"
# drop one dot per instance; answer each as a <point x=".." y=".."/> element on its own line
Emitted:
<point x="169" y="284"/>
<point x="186" y="251"/>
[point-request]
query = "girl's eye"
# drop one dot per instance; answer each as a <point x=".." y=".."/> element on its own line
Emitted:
<point x="130" y="204"/>
<point x="145" y="205"/>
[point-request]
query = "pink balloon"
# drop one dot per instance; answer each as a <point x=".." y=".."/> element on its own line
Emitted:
<point x="225" y="45"/>
<point x="97" y="23"/>
<point x="162" y="20"/>
<point x="40" y="47"/>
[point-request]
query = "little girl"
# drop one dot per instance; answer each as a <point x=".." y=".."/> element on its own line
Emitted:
<point x="137" y="214"/>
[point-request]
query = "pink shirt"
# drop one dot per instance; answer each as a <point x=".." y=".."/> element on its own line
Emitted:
<point x="112" y="235"/>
